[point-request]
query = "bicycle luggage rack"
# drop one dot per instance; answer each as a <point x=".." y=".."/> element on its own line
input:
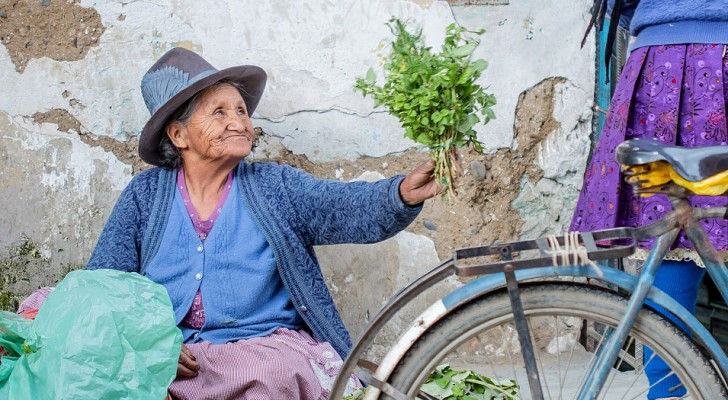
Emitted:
<point x="589" y="240"/>
<point x="548" y="256"/>
<point x="621" y="244"/>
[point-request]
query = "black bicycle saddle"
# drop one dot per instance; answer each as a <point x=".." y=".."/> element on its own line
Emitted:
<point x="692" y="163"/>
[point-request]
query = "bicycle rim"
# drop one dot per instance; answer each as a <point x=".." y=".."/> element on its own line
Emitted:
<point x="567" y="322"/>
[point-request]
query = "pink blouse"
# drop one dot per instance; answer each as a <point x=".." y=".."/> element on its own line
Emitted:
<point x="195" y="317"/>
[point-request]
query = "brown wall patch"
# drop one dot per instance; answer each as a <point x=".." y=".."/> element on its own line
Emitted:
<point x="126" y="152"/>
<point x="58" y="29"/>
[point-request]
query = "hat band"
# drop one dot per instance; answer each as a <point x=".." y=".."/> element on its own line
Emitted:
<point x="202" y="75"/>
<point x="160" y="86"/>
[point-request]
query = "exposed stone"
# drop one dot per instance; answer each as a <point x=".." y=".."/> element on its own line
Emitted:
<point x="65" y="121"/>
<point x="478" y="170"/>
<point x="429" y="225"/>
<point x="60" y="30"/>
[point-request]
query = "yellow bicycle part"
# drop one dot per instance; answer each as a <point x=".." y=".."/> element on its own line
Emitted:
<point x="659" y="173"/>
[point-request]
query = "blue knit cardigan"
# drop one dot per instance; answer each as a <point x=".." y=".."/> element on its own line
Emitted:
<point x="293" y="209"/>
<point x="660" y="22"/>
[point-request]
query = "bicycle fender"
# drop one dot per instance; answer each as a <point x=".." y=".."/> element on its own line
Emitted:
<point x="491" y="282"/>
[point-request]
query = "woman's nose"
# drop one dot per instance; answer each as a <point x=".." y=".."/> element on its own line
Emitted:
<point x="235" y="123"/>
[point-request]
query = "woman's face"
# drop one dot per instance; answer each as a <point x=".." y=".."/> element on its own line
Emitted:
<point x="218" y="130"/>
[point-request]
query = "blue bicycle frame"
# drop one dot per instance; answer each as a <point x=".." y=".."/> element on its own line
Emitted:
<point x="504" y="274"/>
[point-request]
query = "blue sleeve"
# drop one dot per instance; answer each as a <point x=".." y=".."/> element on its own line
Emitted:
<point x="119" y="246"/>
<point x="626" y="11"/>
<point x="333" y="212"/>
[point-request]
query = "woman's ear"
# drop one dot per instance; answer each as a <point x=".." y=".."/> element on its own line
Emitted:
<point x="177" y="133"/>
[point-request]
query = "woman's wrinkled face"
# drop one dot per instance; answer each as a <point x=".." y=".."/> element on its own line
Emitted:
<point x="219" y="128"/>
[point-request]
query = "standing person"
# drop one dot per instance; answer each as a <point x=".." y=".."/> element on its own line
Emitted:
<point x="674" y="88"/>
<point x="232" y="241"/>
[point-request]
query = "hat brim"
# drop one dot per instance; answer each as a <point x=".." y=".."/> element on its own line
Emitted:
<point x="249" y="77"/>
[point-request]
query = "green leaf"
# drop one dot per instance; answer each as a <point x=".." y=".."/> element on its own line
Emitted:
<point x="480" y="65"/>
<point x="434" y="389"/>
<point x="424" y="139"/>
<point x="436" y="117"/>
<point x="371" y="76"/>
<point x="467" y="123"/>
<point x="465" y="50"/>
<point x="488" y="113"/>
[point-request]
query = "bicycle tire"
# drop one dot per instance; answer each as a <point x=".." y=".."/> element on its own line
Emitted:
<point x="557" y="300"/>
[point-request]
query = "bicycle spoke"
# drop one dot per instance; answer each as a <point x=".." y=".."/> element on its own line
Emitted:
<point x="539" y="359"/>
<point x="614" y="373"/>
<point x="592" y="361"/>
<point x="634" y="381"/>
<point x="660" y="381"/>
<point x="568" y="366"/>
<point x="494" y="371"/>
<point x="558" y="349"/>
<point x="510" y="357"/>
<point x="652" y="357"/>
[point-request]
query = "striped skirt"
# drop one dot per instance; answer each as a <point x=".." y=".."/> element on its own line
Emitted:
<point x="288" y="364"/>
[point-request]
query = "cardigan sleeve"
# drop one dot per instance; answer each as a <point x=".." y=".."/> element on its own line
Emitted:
<point x="626" y="12"/>
<point x="119" y="246"/>
<point x="333" y="212"/>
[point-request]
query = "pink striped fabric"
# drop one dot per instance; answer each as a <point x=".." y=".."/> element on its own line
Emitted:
<point x="288" y="364"/>
<point x="35" y="300"/>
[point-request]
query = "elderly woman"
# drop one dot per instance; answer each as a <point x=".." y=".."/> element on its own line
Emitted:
<point x="232" y="241"/>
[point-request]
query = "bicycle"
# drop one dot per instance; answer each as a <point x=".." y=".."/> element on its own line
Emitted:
<point x="526" y="287"/>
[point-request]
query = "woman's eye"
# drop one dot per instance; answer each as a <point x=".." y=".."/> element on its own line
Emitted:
<point x="241" y="111"/>
<point x="219" y="111"/>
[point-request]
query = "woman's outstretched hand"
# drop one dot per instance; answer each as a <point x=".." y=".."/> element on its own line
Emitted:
<point x="187" y="367"/>
<point x="420" y="185"/>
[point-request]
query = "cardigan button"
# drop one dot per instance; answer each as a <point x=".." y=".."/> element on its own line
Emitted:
<point x="198" y="276"/>
<point x="200" y="248"/>
<point x="303" y="309"/>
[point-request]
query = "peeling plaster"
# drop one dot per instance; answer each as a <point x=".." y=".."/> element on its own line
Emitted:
<point x="126" y="152"/>
<point x="45" y="137"/>
<point x="424" y="3"/>
<point x="555" y="122"/>
<point x="57" y="190"/>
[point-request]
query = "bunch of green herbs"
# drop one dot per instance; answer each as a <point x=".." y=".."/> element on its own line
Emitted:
<point x="447" y="384"/>
<point x="435" y="96"/>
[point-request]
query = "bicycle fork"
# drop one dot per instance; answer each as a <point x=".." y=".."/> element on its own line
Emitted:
<point x="608" y="354"/>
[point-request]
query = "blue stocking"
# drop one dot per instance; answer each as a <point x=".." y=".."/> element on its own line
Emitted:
<point x="680" y="280"/>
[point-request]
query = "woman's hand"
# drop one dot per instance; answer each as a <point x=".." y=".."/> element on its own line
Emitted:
<point x="187" y="367"/>
<point x="420" y="185"/>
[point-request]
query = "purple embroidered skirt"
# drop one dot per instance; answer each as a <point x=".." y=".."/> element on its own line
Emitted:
<point x="677" y="94"/>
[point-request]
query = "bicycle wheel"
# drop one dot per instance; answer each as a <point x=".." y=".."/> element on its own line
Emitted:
<point x="563" y="318"/>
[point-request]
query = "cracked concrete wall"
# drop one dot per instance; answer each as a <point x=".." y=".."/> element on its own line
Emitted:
<point x="71" y="110"/>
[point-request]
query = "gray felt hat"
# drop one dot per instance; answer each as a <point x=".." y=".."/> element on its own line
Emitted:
<point x="175" y="78"/>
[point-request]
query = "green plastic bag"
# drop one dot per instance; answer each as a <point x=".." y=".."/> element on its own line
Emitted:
<point x="101" y="334"/>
